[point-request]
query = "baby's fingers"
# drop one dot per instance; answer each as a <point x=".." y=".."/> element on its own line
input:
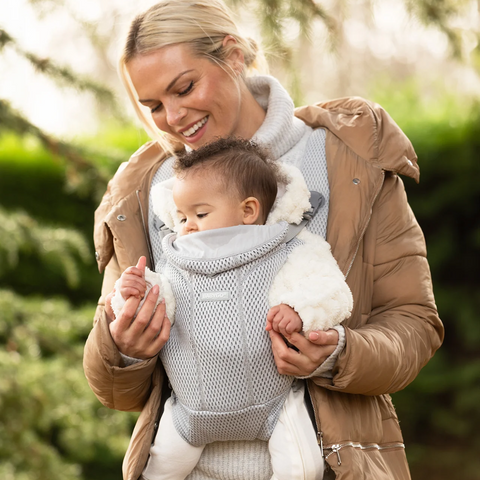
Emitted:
<point x="272" y="312"/>
<point x="127" y="292"/>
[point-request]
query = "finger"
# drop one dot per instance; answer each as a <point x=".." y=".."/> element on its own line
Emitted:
<point x="131" y="292"/>
<point x="156" y="321"/>
<point x="319" y="337"/>
<point x="124" y="320"/>
<point x="302" y="343"/>
<point x="313" y="354"/>
<point x="272" y="312"/>
<point x="141" y="264"/>
<point x="282" y="326"/>
<point x="108" y="306"/>
<point x="160" y="326"/>
<point x="286" y="359"/>
<point x="292" y="327"/>
<point x="145" y="314"/>
<point x="277" y="319"/>
<point x="135" y="282"/>
<point x="132" y="272"/>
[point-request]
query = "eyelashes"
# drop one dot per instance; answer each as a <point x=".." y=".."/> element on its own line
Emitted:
<point x="180" y="94"/>
<point x="187" y="90"/>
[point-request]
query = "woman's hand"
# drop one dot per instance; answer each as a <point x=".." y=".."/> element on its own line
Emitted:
<point x="146" y="334"/>
<point x="312" y="351"/>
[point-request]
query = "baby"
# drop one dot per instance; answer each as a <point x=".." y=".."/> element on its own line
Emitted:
<point x="223" y="193"/>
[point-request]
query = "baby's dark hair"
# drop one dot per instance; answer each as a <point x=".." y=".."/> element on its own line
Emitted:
<point x="241" y="165"/>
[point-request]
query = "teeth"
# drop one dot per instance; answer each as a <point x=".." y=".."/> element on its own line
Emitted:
<point x="195" y="127"/>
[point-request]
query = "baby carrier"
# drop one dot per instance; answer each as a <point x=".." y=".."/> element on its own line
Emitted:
<point x="219" y="358"/>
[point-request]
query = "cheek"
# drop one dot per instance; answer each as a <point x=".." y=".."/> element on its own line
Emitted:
<point x="160" y="122"/>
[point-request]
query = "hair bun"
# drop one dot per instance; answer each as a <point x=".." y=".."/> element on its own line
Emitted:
<point x="252" y="53"/>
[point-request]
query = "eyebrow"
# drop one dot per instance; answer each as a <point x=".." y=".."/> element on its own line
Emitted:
<point x="201" y="204"/>
<point x="169" y="86"/>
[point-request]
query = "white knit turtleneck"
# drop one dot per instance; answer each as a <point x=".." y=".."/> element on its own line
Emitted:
<point x="281" y="132"/>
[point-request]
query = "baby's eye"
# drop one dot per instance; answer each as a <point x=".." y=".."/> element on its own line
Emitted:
<point x="202" y="215"/>
<point x="187" y="90"/>
<point x="183" y="220"/>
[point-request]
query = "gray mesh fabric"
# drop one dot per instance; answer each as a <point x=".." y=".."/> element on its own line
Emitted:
<point x="314" y="169"/>
<point x="219" y="359"/>
<point x="245" y="371"/>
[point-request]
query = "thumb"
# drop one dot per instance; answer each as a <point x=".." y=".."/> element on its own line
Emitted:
<point x="319" y="337"/>
<point x="141" y="264"/>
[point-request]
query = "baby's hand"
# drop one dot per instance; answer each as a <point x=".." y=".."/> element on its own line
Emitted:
<point x="132" y="282"/>
<point x="283" y="319"/>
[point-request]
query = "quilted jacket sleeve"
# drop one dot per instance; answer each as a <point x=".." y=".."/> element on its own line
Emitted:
<point x="402" y="331"/>
<point x="116" y="386"/>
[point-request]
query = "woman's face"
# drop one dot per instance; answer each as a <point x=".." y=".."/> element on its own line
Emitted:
<point x="193" y="99"/>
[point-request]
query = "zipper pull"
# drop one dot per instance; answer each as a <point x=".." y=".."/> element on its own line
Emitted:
<point x="320" y="442"/>
<point x="336" y="449"/>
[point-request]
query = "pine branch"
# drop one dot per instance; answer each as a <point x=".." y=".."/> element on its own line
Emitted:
<point x="60" y="247"/>
<point x="438" y="13"/>
<point x="305" y="12"/>
<point x="5" y="39"/>
<point x="63" y="75"/>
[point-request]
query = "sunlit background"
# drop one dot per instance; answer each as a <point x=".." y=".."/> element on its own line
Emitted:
<point x="65" y="125"/>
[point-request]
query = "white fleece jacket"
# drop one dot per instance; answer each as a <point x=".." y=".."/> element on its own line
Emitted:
<point x="310" y="281"/>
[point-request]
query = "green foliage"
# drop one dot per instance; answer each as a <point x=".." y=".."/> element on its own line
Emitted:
<point x="56" y="247"/>
<point x="52" y="425"/>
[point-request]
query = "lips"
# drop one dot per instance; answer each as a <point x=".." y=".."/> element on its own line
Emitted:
<point x="191" y="131"/>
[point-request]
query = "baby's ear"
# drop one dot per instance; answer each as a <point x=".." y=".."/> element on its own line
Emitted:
<point x="251" y="211"/>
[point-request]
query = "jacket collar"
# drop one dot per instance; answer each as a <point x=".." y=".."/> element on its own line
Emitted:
<point x="367" y="130"/>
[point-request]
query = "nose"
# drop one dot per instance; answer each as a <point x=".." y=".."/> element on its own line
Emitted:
<point x="175" y="113"/>
<point x="190" y="226"/>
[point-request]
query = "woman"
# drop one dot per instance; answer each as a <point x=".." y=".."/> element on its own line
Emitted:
<point x="187" y="63"/>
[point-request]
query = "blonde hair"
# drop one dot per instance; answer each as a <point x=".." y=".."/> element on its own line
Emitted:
<point x="202" y="25"/>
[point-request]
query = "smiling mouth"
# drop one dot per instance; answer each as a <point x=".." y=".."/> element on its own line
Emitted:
<point x="191" y="131"/>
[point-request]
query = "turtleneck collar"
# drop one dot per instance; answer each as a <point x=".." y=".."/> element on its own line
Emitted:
<point x="281" y="132"/>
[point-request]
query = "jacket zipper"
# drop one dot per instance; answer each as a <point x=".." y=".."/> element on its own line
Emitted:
<point x="147" y="237"/>
<point x="366" y="223"/>
<point x="317" y="423"/>
<point x="338" y="446"/>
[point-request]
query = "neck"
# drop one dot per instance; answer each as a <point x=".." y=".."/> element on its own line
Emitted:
<point x="251" y="111"/>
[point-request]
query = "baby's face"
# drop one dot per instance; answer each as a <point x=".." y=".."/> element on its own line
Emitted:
<point x="203" y="204"/>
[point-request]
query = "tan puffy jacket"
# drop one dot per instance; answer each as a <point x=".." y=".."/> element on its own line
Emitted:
<point x="394" y="328"/>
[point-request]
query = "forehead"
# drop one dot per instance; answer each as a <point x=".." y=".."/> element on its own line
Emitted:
<point x="164" y="63"/>
<point x="202" y="181"/>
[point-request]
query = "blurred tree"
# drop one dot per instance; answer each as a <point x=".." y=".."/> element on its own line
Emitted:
<point x="439" y="410"/>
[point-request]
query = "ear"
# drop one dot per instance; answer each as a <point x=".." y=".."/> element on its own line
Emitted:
<point x="251" y="211"/>
<point x="235" y="57"/>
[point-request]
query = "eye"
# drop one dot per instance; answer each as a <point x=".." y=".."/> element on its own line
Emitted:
<point x="202" y="215"/>
<point x="183" y="220"/>
<point x="187" y="90"/>
<point x="154" y="109"/>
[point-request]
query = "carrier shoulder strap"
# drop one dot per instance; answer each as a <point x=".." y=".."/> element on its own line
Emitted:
<point x="317" y="200"/>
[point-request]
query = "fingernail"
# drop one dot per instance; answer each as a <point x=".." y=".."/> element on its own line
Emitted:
<point x="155" y="289"/>
<point x="313" y="336"/>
